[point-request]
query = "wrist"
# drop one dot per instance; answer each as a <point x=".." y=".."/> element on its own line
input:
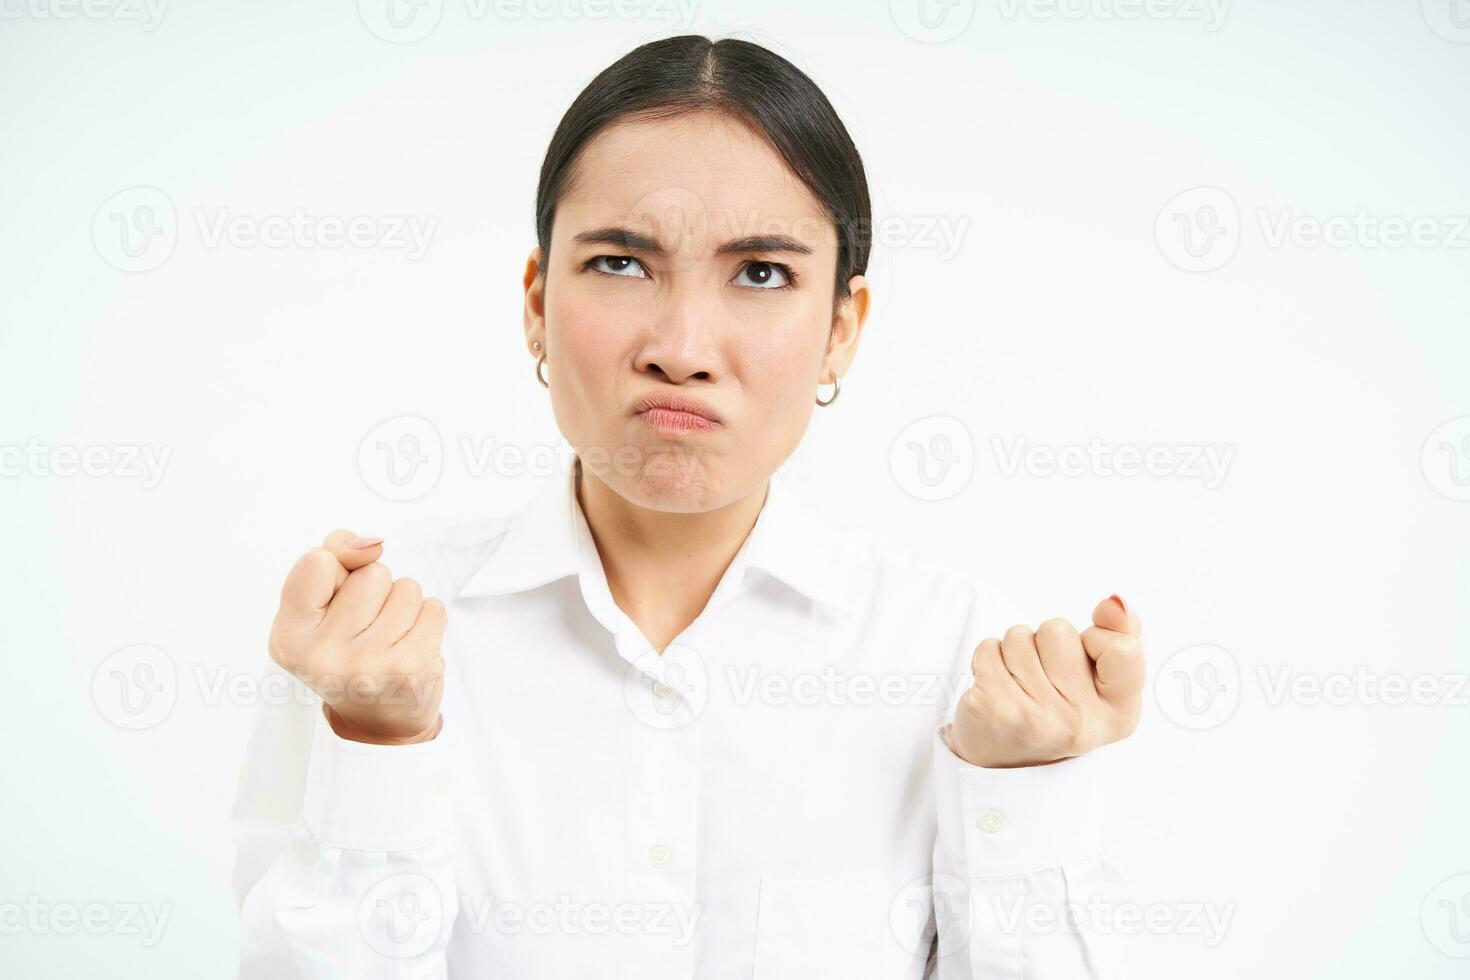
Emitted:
<point x="986" y="760"/>
<point x="353" y="732"/>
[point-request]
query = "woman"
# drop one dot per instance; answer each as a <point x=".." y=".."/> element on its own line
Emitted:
<point x="665" y="721"/>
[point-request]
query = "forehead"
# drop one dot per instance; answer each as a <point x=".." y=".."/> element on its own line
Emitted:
<point x="700" y="169"/>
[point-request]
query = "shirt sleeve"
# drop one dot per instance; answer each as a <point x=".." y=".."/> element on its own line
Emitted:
<point x="359" y="883"/>
<point x="1022" y="890"/>
<point x="343" y="849"/>
<point x="1021" y="887"/>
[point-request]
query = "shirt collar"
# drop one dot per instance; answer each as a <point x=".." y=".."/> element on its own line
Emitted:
<point x="789" y="542"/>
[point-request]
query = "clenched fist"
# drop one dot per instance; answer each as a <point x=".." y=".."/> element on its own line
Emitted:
<point x="1051" y="695"/>
<point x="367" y="644"/>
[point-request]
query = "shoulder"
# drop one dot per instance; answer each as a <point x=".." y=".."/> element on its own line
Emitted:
<point x="905" y="576"/>
<point x="885" y="577"/>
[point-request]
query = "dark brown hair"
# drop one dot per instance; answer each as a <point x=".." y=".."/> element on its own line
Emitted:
<point x="689" y="73"/>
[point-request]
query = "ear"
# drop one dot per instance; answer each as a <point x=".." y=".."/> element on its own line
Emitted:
<point x="848" y="318"/>
<point x="534" y="283"/>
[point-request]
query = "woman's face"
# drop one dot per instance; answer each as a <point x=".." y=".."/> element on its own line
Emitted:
<point x="668" y="278"/>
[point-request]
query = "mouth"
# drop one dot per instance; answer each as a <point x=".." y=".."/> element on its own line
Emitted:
<point x="671" y="414"/>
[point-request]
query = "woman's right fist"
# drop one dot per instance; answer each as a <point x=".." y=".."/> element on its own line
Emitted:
<point x="367" y="644"/>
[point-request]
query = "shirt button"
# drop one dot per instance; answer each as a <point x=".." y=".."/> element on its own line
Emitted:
<point x="662" y="691"/>
<point x="659" y="855"/>
<point x="990" y="821"/>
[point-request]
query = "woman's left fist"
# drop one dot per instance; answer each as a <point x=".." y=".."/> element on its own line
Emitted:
<point x="1046" y="696"/>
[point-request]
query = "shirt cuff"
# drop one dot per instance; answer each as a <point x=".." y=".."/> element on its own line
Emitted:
<point x="1016" y="821"/>
<point x="376" y="797"/>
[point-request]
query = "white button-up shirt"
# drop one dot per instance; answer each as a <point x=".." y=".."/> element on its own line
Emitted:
<point x="770" y="797"/>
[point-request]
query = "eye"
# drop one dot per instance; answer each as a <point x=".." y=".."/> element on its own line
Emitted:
<point x="769" y="275"/>
<point x="620" y="265"/>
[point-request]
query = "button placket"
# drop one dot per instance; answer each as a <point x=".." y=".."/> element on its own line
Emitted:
<point x="659" y="850"/>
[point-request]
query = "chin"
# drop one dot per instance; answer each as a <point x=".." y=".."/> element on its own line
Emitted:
<point x="674" y="479"/>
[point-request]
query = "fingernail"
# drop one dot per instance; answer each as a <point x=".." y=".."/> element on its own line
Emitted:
<point x="1121" y="604"/>
<point x="358" y="543"/>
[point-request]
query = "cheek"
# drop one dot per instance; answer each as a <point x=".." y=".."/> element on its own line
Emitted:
<point x="782" y="349"/>
<point x="587" y="339"/>
<point x="778" y="372"/>
<point x="588" y="345"/>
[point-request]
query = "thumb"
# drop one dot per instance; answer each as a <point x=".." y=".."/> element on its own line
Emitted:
<point x="1113" y="614"/>
<point x="318" y="574"/>
<point x="352" y="551"/>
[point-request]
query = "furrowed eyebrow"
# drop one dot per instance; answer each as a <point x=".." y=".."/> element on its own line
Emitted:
<point x="635" y="241"/>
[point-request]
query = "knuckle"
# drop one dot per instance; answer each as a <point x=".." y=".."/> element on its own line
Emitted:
<point x="1055" y="628"/>
<point x="1019" y="632"/>
<point x="281" y="652"/>
<point x="985" y="651"/>
<point x="375" y="574"/>
<point x="1018" y="727"/>
<point x="1053" y="732"/>
<point x="1122" y="650"/>
<point x="318" y="561"/>
<point x="400" y="663"/>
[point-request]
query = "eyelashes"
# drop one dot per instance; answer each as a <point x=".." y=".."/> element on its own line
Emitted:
<point x="788" y="274"/>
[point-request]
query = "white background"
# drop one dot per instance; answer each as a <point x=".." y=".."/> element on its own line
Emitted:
<point x="1030" y="282"/>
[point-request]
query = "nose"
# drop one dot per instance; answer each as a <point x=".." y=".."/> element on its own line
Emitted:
<point x="682" y="341"/>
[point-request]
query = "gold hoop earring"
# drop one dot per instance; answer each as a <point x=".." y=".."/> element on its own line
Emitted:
<point x="836" y="388"/>
<point x="539" y="377"/>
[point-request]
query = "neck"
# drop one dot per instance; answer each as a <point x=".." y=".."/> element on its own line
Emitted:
<point x="663" y="566"/>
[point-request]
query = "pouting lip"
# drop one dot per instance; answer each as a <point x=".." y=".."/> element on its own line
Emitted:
<point x="676" y="403"/>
